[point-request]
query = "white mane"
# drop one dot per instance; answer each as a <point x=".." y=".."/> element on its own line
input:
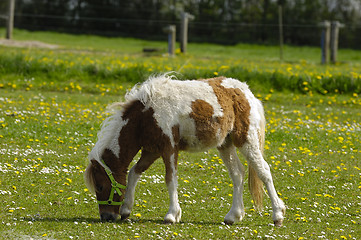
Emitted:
<point x="144" y="92"/>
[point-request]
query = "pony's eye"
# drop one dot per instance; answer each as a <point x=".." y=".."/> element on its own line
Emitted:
<point x="99" y="188"/>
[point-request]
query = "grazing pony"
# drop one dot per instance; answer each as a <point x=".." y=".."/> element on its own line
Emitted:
<point x="163" y="116"/>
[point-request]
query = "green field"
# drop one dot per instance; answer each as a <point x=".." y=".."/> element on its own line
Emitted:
<point x="51" y="111"/>
<point x="88" y="60"/>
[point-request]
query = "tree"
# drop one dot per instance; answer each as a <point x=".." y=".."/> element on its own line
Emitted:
<point x="224" y="21"/>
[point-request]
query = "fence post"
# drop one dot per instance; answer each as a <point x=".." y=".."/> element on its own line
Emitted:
<point x="10" y="19"/>
<point x="185" y="17"/>
<point x="335" y="28"/>
<point x="171" y="29"/>
<point x="325" y="41"/>
<point x="280" y="24"/>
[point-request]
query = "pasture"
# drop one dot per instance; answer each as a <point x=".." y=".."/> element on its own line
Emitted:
<point x="53" y="101"/>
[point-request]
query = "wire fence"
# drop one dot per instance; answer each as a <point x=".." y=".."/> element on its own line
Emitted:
<point x="225" y="32"/>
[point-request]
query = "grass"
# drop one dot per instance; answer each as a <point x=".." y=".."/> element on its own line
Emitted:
<point x="117" y="61"/>
<point x="312" y="148"/>
<point x="50" y="113"/>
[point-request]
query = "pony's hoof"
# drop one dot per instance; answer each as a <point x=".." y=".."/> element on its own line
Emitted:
<point x="173" y="218"/>
<point x="278" y="223"/>
<point x="124" y="217"/>
<point x="167" y="221"/>
<point x="228" y="222"/>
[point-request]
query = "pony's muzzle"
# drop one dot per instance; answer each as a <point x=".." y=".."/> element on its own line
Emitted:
<point x="108" y="217"/>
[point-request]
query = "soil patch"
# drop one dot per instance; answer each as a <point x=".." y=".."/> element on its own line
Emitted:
<point x="26" y="44"/>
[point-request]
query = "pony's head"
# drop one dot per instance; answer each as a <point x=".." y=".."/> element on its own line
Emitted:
<point x="108" y="187"/>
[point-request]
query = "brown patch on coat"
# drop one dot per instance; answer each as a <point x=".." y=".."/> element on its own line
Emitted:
<point x="95" y="175"/>
<point x="145" y="161"/>
<point x="236" y="110"/>
<point x="141" y="131"/>
<point x="130" y="142"/>
<point x="151" y="136"/>
<point x="207" y="126"/>
<point x="155" y="143"/>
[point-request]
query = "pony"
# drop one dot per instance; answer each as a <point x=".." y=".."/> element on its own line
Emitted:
<point x="163" y="116"/>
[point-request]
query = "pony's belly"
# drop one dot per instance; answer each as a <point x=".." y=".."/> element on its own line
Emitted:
<point x="200" y="140"/>
<point x="196" y="146"/>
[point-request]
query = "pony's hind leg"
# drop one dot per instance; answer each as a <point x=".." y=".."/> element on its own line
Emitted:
<point x="236" y="172"/>
<point x="174" y="213"/>
<point x="134" y="175"/>
<point x="254" y="157"/>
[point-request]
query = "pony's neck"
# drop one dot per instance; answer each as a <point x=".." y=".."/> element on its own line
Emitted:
<point x="128" y="140"/>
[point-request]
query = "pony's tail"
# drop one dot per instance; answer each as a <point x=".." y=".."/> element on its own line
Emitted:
<point x="255" y="184"/>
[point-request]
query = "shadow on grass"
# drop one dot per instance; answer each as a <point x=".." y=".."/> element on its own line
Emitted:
<point x="118" y="221"/>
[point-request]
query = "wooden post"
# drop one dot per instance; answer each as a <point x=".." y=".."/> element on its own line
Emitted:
<point x="171" y="30"/>
<point x="335" y="27"/>
<point x="10" y="19"/>
<point x="325" y="41"/>
<point x="280" y="24"/>
<point x="184" y="31"/>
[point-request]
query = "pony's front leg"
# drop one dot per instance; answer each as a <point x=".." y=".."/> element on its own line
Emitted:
<point x="134" y="175"/>
<point x="174" y="213"/>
